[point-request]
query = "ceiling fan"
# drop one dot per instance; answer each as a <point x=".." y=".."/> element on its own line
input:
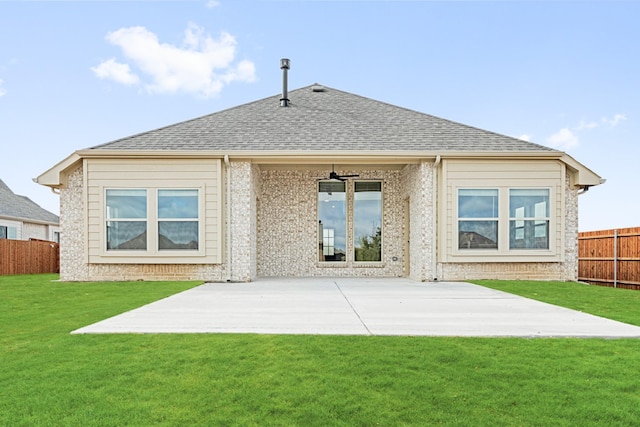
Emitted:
<point x="333" y="176"/>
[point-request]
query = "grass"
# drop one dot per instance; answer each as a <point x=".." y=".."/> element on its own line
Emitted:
<point x="617" y="304"/>
<point x="49" y="377"/>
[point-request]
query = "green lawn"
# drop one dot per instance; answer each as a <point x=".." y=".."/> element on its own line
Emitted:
<point x="617" y="304"/>
<point x="51" y="378"/>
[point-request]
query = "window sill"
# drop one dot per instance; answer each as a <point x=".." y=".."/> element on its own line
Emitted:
<point x="332" y="264"/>
<point x="361" y="264"/>
<point x="511" y="256"/>
<point x="329" y="264"/>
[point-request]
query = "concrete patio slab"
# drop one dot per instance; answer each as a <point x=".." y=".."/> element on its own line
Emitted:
<point x="356" y="306"/>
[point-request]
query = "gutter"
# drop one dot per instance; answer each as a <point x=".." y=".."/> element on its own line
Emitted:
<point x="228" y="199"/>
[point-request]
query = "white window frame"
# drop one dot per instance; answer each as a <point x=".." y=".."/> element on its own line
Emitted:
<point x="503" y="253"/>
<point x="152" y="220"/>
<point x="546" y="219"/>
<point x="14" y="229"/>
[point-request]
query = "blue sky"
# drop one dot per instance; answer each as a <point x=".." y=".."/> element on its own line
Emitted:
<point x="565" y="74"/>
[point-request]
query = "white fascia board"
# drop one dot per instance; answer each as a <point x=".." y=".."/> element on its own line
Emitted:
<point x="584" y="177"/>
<point x="308" y="156"/>
<point x="53" y="177"/>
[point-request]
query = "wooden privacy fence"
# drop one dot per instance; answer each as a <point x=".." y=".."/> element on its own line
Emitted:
<point x="610" y="257"/>
<point x="29" y="257"/>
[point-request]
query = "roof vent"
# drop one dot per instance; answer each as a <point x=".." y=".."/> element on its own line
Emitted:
<point x="317" y="88"/>
<point x="285" y="64"/>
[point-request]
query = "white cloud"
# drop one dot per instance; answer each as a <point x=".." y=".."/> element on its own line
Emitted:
<point x="615" y="120"/>
<point x="525" y="137"/>
<point x="586" y="125"/>
<point x="563" y="140"/>
<point x="3" y="91"/>
<point x="567" y="138"/>
<point x="113" y="70"/>
<point x="605" y="121"/>
<point x="202" y="65"/>
<point x="213" y="3"/>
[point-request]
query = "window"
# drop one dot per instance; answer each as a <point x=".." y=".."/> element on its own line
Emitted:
<point x="367" y="221"/>
<point x="478" y="219"/>
<point x="332" y="220"/>
<point x="8" y="232"/>
<point x="357" y="210"/>
<point x="503" y="219"/>
<point x="177" y="219"/>
<point x="528" y="219"/>
<point x="152" y="220"/>
<point x="126" y="219"/>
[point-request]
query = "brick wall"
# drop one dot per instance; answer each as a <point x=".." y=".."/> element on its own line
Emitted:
<point x="287" y="224"/>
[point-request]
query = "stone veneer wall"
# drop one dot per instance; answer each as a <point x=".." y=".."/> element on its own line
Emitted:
<point x="73" y="262"/>
<point x="243" y="199"/>
<point x="417" y="185"/>
<point x="565" y="271"/>
<point x="571" y="231"/>
<point x="287" y="226"/>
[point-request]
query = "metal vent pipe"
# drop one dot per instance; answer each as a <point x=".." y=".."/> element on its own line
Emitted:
<point x="285" y="64"/>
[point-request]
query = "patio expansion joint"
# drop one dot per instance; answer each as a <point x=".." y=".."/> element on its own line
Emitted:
<point x="353" y="308"/>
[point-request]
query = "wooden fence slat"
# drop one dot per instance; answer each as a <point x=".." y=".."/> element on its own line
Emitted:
<point x="602" y="263"/>
<point x="29" y="257"/>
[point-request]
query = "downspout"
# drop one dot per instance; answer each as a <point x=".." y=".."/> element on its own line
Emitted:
<point x="434" y="217"/>
<point x="584" y="189"/>
<point x="228" y="170"/>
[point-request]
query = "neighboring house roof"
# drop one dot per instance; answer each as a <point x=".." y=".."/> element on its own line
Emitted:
<point x="320" y="118"/>
<point x="22" y="208"/>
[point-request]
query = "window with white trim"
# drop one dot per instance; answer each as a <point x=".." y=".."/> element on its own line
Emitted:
<point x="152" y="220"/>
<point x="478" y="218"/>
<point x="8" y="232"/>
<point x="483" y="219"/>
<point x="177" y="219"/>
<point x="126" y="215"/>
<point x="528" y="219"/>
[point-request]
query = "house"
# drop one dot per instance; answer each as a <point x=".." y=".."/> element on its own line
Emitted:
<point x="319" y="182"/>
<point x="22" y="219"/>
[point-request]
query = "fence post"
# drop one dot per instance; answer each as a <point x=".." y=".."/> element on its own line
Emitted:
<point x="615" y="258"/>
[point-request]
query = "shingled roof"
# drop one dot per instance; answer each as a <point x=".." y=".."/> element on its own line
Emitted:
<point x="22" y="208"/>
<point x="320" y="118"/>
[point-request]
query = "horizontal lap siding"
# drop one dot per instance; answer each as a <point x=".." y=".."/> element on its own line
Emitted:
<point x="132" y="173"/>
<point x="502" y="174"/>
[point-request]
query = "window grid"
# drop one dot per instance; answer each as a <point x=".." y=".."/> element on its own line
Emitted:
<point x="520" y="215"/>
<point x="152" y="220"/>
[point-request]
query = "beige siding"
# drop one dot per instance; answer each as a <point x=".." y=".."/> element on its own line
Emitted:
<point x="502" y="175"/>
<point x="204" y="174"/>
